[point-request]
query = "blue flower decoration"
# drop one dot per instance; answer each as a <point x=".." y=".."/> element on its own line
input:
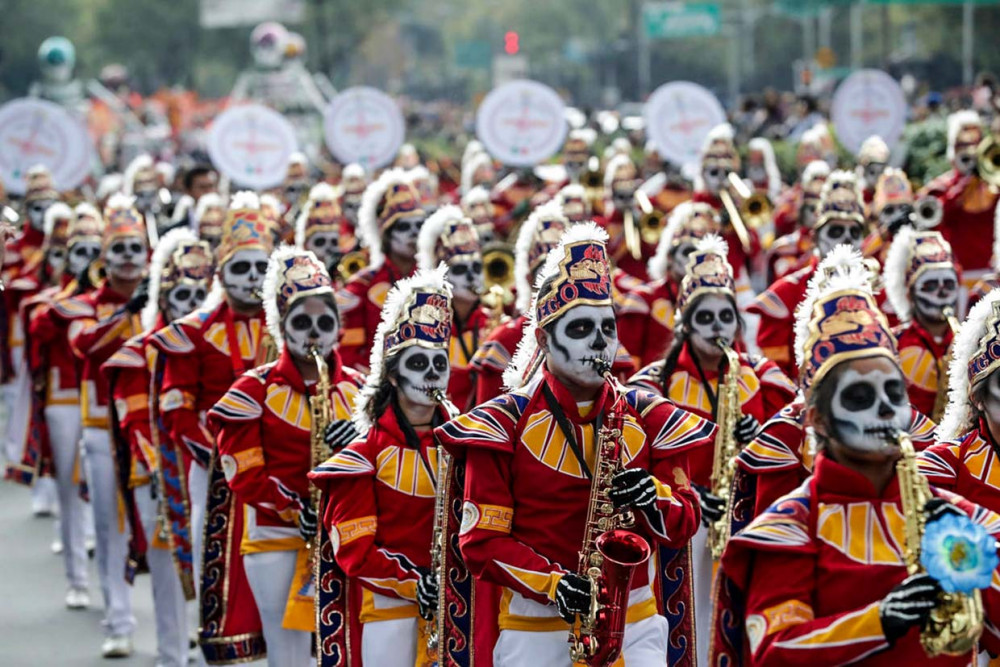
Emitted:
<point x="959" y="554"/>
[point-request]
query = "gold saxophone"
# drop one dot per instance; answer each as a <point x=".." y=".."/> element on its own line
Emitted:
<point x="956" y="623"/>
<point x="439" y="533"/>
<point x="321" y="412"/>
<point x="610" y="553"/>
<point x="728" y="416"/>
<point x="941" y="398"/>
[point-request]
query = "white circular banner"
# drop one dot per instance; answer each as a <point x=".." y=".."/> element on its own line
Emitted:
<point x="679" y="115"/>
<point x="364" y="125"/>
<point x="868" y="102"/>
<point x="34" y="132"/>
<point x="250" y="144"/>
<point x="522" y="123"/>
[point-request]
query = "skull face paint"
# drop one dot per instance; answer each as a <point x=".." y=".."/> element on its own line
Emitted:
<point x="894" y="216"/>
<point x="184" y="299"/>
<point x="679" y="259"/>
<point x="714" y="176"/>
<point x="466" y="278"/>
<point x="36" y="212"/>
<point x="756" y="173"/>
<point x="403" y="236"/>
<point x="325" y="245"/>
<point x="580" y="335"/>
<point x="422" y="371"/>
<point x="868" y="407"/>
<point x="81" y="254"/>
<point x="836" y="232"/>
<point x="714" y="319"/>
<point x="145" y="197"/>
<point x="872" y="172"/>
<point x="243" y="274"/>
<point x="55" y="258"/>
<point x="310" y="322"/>
<point x="933" y="291"/>
<point x="125" y="257"/>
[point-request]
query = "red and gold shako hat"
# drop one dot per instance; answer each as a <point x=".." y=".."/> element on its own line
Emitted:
<point x="975" y="354"/>
<point x="582" y="274"/>
<point x="446" y="236"/>
<point x="121" y="219"/>
<point x="292" y="274"/>
<point x="322" y="213"/>
<point x="244" y="228"/>
<point x="893" y="187"/>
<point x="708" y="272"/>
<point x="39" y="185"/>
<point x="840" y="200"/>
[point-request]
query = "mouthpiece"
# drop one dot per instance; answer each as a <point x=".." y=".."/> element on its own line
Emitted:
<point x="437" y="395"/>
<point x="602" y="365"/>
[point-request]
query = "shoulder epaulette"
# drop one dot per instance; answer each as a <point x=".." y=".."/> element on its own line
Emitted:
<point x="173" y="339"/>
<point x="784" y="524"/>
<point x="73" y="308"/>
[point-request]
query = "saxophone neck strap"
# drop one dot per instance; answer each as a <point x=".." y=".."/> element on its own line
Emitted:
<point x="567" y="429"/>
<point x="713" y="397"/>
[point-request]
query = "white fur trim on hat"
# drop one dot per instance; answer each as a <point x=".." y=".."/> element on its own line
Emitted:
<point x="874" y="143"/>
<point x="477" y="195"/>
<point x="245" y="199"/>
<point x="842" y="268"/>
<point x="470" y="166"/>
<point x="368" y="231"/>
<point x="585" y="134"/>
<point x="657" y="265"/>
<point x="110" y="184"/>
<point x="815" y="169"/>
<point x="472" y="148"/>
<point x="139" y="163"/>
<point x="571" y="191"/>
<point x="525" y="360"/>
<point x="433" y="279"/>
<point x="525" y="239"/>
<point x="431" y="232"/>
<point x="270" y="289"/>
<point x="58" y="210"/>
<point x="614" y="164"/>
<point x="721" y="132"/>
<point x="298" y="157"/>
<point x="85" y="209"/>
<point x="320" y="192"/>
<point x="206" y="201"/>
<point x="120" y="201"/>
<point x="268" y="200"/>
<point x="958" y="415"/>
<point x="353" y="170"/>
<point x="895" y="270"/>
<point x="164" y="249"/>
<point x="166" y="171"/>
<point x="956" y="123"/>
<point x="996" y="237"/>
<point x="770" y="166"/>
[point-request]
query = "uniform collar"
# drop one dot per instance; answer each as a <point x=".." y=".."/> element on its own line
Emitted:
<point x="568" y="403"/>
<point x="832" y="477"/>
<point x="285" y="368"/>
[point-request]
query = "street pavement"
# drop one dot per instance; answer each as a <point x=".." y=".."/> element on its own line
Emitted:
<point x="36" y="629"/>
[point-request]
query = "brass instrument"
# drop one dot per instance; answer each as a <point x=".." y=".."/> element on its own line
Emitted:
<point x="941" y="398"/>
<point x="321" y="413"/>
<point x="630" y="230"/>
<point x="733" y="212"/>
<point x="955" y="624"/>
<point x="927" y="213"/>
<point x="498" y="265"/>
<point x="650" y="220"/>
<point x="351" y="263"/>
<point x="610" y="553"/>
<point x="438" y="534"/>
<point x="726" y="448"/>
<point x="592" y="181"/>
<point x="988" y="160"/>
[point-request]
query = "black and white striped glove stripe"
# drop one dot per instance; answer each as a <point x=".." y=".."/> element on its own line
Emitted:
<point x="633" y="488"/>
<point x="340" y="433"/>
<point x="572" y="596"/>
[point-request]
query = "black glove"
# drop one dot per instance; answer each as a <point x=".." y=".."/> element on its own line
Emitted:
<point x="307" y="523"/>
<point x="712" y="506"/>
<point x="572" y="596"/>
<point x="633" y="488"/>
<point x="746" y="429"/>
<point x="427" y="594"/>
<point x="907" y="605"/>
<point x="339" y="433"/>
<point x="83" y="282"/>
<point x="139" y="297"/>
<point x="935" y="508"/>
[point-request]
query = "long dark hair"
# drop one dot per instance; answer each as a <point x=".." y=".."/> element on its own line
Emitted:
<point x="682" y="332"/>
<point x="387" y="397"/>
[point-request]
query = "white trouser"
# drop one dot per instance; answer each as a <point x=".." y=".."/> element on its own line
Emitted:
<point x="168" y="596"/>
<point x="63" y="423"/>
<point x="112" y="543"/>
<point x="390" y="643"/>
<point x="17" y="397"/>
<point x="44" y="495"/>
<point x="270" y="574"/>
<point x="701" y="579"/>
<point x="646" y="643"/>
<point x="197" y="481"/>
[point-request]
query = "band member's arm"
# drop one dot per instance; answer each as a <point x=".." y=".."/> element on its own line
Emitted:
<point x="355" y="342"/>
<point x="485" y="539"/>
<point x="42" y="331"/>
<point x="182" y="370"/>
<point x="130" y="393"/>
<point x="98" y="339"/>
<point x="940" y="464"/>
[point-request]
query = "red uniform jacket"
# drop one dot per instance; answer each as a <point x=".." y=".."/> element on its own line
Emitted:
<point x="968" y="204"/>
<point x="738" y="257"/>
<point x="776" y="307"/>
<point x="613" y="223"/>
<point x="49" y="351"/>
<point x="924" y="362"/>
<point x="788" y="254"/>
<point x="360" y="304"/>
<point x="465" y="342"/>
<point x="763" y="390"/>
<point x="526" y="494"/>
<point x="814" y="567"/>
<point x="786" y="211"/>
<point x="657" y="327"/>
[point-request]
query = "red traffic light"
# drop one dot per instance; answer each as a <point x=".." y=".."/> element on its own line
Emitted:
<point x="511" y="43"/>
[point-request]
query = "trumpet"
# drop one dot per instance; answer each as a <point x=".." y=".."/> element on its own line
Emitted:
<point x="498" y="265"/>
<point x="988" y="160"/>
<point x="650" y="219"/>
<point x="927" y="213"/>
<point x="351" y="263"/>
<point x="753" y="211"/>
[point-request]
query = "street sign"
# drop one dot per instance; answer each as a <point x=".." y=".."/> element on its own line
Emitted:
<point x="473" y="54"/>
<point x="867" y="103"/>
<point x="678" y="117"/>
<point x="231" y="13"/>
<point x="364" y="125"/>
<point x="522" y="123"/>
<point x="250" y="144"/>
<point x="676" y="20"/>
<point x="34" y="132"/>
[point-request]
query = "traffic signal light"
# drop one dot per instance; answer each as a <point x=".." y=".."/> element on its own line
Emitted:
<point x="511" y="43"/>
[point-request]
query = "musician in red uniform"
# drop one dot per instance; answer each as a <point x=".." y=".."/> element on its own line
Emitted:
<point x="689" y="376"/>
<point x="263" y="424"/>
<point x="380" y="490"/>
<point x="873" y="158"/>
<point x="102" y="321"/>
<point x="353" y="181"/>
<point x="922" y="286"/>
<point x="322" y="228"/>
<point x="209" y="214"/>
<point x="992" y="279"/>
<point x="477" y="206"/>
<point x="621" y="216"/>
<point x="786" y="208"/>
<point x="821" y="576"/>
<point x="389" y="222"/>
<point x="968" y="201"/>
<point x="529" y="456"/>
<point x="790" y="252"/>
<point x="180" y="276"/>
<point x="203" y="354"/>
<point x="839" y="219"/>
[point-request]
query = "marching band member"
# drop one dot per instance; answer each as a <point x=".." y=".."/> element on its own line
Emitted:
<point x="922" y="286"/>
<point x="790" y="252"/>
<point x="691" y="375"/>
<point x="477" y="206"/>
<point x="539" y="234"/>
<point x="529" y="456"/>
<point x="180" y="274"/>
<point x="264" y="423"/>
<point x="380" y="490"/>
<point x="890" y="209"/>
<point x="141" y="181"/>
<point x="449" y="237"/>
<point x="969" y="202"/>
<point x="574" y="203"/>
<point x="322" y="229"/>
<point x="209" y="214"/>
<point x="629" y="251"/>
<point x="425" y="183"/>
<point x="296" y="185"/>
<point x="762" y="168"/>
<point x="821" y="576"/>
<point x="839" y="219"/>
<point x="102" y="321"/>
<point x="787" y="207"/>
<point x="992" y="279"/>
<point x="477" y="168"/>
<point x="203" y="354"/>
<point x="389" y="222"/>
<point x="353" y="182"/>
<point x="873" y="158"/>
